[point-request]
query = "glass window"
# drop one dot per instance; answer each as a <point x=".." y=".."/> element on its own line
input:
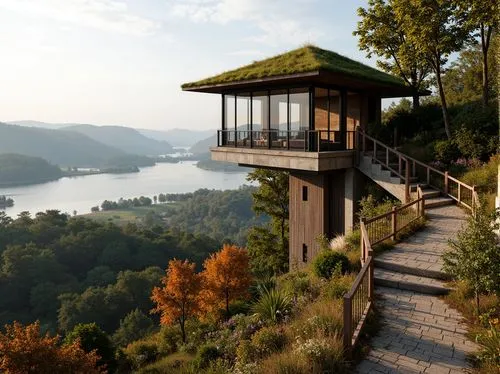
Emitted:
<point x="279" y="113"/>
<point x="321" y="109"/>
<point x="299" y="109"/>
<point x="229" y="115"/>
<point x="334" y="110"/>
<point x="243" y="111"/>
<point x="260" y="111"/>
<point x="353" y="110"/>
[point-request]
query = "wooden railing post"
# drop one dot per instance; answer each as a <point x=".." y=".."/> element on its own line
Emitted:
<point x="364" y="143"/>
<point x="393" y="224"/>
<point x="374" y="150"/>
<point x="407" y="181"/>
<point x="459" y="193"/>
<point x="362" y="241"/>
<point x="422" y="210"/>
<point x="347" y="326"/>
<point x="428" y="176"/>
<point x="446" y="183"/>
<point x="387" y="156"/>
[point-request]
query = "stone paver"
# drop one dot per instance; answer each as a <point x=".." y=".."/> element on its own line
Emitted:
<point x="420" y="333"/>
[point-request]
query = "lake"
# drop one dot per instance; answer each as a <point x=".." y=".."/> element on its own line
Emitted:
<point x="81" y="193"/>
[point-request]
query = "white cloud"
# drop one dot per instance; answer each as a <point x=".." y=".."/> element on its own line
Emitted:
<point x="107" y="15"/>
<point x="279" y="21"/>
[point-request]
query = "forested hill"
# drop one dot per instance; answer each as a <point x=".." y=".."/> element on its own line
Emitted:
<point x="126" y="139"/>
<point x="19" y="169"/>
<point x="61" y="147"/>
<point x="63" y="271"/>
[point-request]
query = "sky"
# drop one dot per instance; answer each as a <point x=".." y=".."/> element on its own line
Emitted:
<point x="122" y="62"/>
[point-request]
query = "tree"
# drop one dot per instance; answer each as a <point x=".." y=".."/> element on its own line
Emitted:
<point x="266" y="255"/>
<point x="482" y="17"/>
<point x="24" y="350"/>
<point x="380" y="33"/>
<point x="133" y="327"/>
<point x="431" y="26"/>
<point x="178" y="299"/>
<point x="474" y="256"/>
<point x="155" y="199"/>
<point x="226" y="277"/>
<point x="271" y="198"/>
<point x="92" y="339"/>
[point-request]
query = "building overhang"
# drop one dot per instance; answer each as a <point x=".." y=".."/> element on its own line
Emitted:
<point x="285" y="160"/>
<point x="314" y="78"/>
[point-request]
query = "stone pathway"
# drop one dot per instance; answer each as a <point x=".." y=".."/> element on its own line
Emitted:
<point x="420" y="333"/>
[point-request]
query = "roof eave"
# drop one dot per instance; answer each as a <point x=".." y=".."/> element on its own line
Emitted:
<point x="279" y="79"/>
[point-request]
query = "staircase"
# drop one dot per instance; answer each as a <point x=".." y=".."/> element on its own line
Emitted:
<point x="391" y="169"/>
<point x="414" y="265"/>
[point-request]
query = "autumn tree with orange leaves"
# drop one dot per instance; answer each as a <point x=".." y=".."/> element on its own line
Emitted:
<point x="226" y="278"/>
<point x="24" y="350"/>
<point x="178" y="299"/>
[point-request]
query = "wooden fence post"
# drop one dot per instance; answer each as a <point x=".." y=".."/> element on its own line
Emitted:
<point x="371" y="282"/>
<point x="407" y="181"/>
<point x="347" y="326"/>
<point x="446" y="183"/>
<point x="394" y="223"/>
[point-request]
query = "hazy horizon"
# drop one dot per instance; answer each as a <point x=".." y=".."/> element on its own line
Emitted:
<point x="121" y="62"/>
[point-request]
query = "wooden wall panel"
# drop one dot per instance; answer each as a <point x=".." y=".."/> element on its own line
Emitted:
<point x="322" y="213"/>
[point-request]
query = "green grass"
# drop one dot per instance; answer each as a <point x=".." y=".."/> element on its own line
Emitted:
<point x="130" y="215"/>
<point x="302" y="60"/>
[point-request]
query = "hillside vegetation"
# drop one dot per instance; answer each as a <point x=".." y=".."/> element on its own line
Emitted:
<point x="19" y="169"/>
<point x="125" y="139"/>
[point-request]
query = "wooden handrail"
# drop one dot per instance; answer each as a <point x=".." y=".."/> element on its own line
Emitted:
<point x="446" y="178"/>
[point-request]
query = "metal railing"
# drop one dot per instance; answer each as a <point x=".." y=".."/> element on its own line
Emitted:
<point x="358" y="301"/>
<point x="295" y="140"/>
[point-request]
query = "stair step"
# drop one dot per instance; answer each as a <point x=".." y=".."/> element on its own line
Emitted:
<point x="409" y="282"/>
<point x="413" y="186"/>
<point x="436" y="202"/>
<point x="395" y="267"/>
<point x="431" y="193"/>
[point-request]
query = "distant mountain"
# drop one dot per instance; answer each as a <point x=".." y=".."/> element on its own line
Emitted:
<point x="203" y="146"/>
<point x="178" y="137"/>
<point x="175" y="137"/>
<point x="41" y="125"/>
<point x="65" y="148"/>
<point x="124" y="138"/>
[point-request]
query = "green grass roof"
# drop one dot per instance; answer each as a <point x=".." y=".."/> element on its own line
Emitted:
<point x="302" y="60"/>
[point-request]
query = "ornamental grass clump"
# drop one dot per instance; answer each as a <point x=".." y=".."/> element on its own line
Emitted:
<point x="273" y="306"/>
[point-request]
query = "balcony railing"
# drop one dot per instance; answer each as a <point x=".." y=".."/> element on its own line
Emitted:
<point x="295" y="140"/>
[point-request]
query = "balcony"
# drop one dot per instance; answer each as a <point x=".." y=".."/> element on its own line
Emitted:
<point x="307" y="150"/>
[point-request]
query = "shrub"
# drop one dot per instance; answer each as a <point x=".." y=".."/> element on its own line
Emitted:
<point x="324" y="355"/>
<point x="169" y="339"/>
<point x="273" y="305"/>
<point x="296" y="283"/>
<point x="474" y="255"/>
<point x="369" y="207"/>
<point x="141" y="352"/>
<point x="246" y="352"/>
<point x="205" y="355"/>
<point x="268" y="340"/>
<point x="285" y="363"/>
<point x="322" y="318"/>
<point x="446" y="151"/>
<point x="327" y="262"/>
<point x="490" y="342"/>
<point x="337" y="287"/>
<point x="353" y="239"/>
